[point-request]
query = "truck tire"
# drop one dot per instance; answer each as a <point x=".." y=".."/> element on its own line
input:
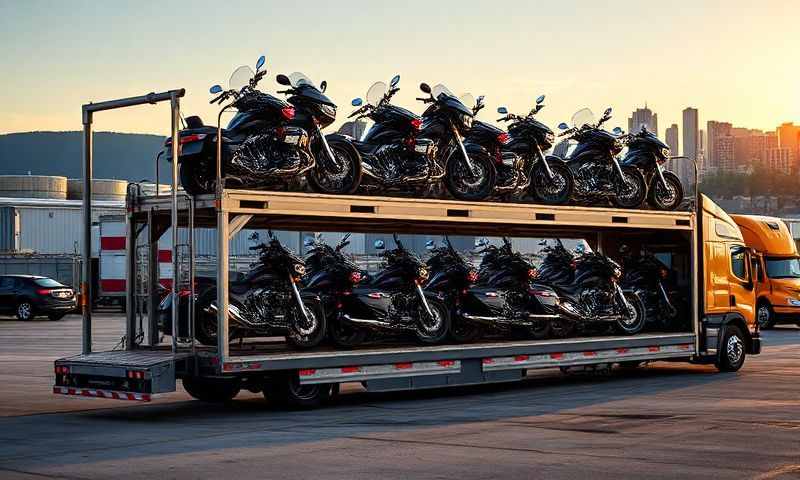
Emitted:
<point x="213" y="390"/>
<point x="732" y="351"/>
<point x="285" y="391"/>
<point x="765" y="316"/>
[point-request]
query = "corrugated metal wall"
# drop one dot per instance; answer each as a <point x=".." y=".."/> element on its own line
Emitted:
<point x="8" y="229"/>
<point x="54" y="230"/>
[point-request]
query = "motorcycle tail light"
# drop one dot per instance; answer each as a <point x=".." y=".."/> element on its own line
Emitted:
<point x="416" y="124"/>
<point x="355" y="277"/>
<point x="502" y="138"/>
<point x="664" y="273"/>
<point x="472" y="276"/>
<point x="287" y="113"/>
<point x="573" y="264"/>
<point x="533" y="273"/>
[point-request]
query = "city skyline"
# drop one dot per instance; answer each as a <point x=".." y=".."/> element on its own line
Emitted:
<point x="53" y="54"/>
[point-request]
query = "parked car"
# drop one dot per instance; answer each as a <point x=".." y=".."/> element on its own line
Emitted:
<point x="28" y="296"/>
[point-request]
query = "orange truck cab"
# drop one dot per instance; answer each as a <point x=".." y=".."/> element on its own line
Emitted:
<point x="728" y="297"/>
<point x="776" y="266"/>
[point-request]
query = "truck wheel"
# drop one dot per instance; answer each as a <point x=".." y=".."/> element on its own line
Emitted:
<point x="214" y="390"/>
<point x="285" y="391"/>
<point x="732" y="352"/>
<point x="765" y="315"/>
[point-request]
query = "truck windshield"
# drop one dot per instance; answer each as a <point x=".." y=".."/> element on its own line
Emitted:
<point x="783" y="267"/>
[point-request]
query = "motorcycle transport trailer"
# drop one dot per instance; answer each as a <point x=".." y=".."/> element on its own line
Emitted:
<point x="708" y="247"/>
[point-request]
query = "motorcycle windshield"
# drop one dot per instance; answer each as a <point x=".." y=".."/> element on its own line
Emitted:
<point x="376" y="93"/>
<point x="240" y="78"/>
<point x="583" y="117"/>
<point x="298" y="79"/>
<point x="467" y="99"/>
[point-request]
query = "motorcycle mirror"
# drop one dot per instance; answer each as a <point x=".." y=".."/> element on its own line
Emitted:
<point x="607" y="112"/>
<point x="617" y="130"/>
<point x="502" y="110"/>
<point x="357" y="102"/>
<point x="430" y="245"/>
<point x="425" y="88"/>
<point x="563" y="126"/>
<point x="479" y="101"/>
<point x="323" y="86"/>
<point x="215" y="89"/>
<point x="260" y="63"/>
<point x="379" y="244"/>
<point x="283" y="80"/>
<point x="308" y="242"/>
<point x="395" y="80"/>
<point x="481" y="242"/>
<point x="539" y="99"/>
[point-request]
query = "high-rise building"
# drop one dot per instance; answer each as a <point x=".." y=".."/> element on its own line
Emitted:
<point x="671" y="137"/>
<point x="690" y="141"/>
<point x="643" y="117"/>
<point x="777" y="160"/>
<point x="715" y="130"/>
<point x="724" y="150"/>
<point x="788" y="135"/>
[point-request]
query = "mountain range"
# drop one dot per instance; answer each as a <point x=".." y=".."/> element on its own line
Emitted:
<point x="124" y="156"/>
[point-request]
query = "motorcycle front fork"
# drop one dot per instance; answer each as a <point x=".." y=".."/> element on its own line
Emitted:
<point x="660" y="173"/>
<point x="298" y="298"/>
<point x="621" y="297"/>
<point x="461" y="146"/>
<point x="424" y="300"/>
<point x="325" y="146"/>
<point x="542" y="159"/>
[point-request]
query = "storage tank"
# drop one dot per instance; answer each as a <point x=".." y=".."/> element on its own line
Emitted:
<point x="102" y="189"/>
<point x="33" y="186"/>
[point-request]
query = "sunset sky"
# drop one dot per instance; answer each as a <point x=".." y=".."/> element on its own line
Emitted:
<point x="734" y="60"/>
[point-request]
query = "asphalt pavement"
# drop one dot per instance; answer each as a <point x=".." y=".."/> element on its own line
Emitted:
<point x="667" y="420"/>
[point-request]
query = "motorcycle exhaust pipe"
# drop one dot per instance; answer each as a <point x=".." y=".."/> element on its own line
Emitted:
<point x="233" y="312"/>
<point x="369" y="322"/>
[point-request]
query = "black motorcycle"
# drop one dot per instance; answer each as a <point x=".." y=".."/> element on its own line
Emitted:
<point x="588" y="285"/>
<point x="393" y="301"/>
<point x="332" y="276"/>
<point x="451" y="279"/>
<point x="654" y="283"/>
<point x="506" y="297"/>
<point x="337" y="165"/>
<point x="468" y="171"/>
<point x="266" y="302"/>
<point x="649" y="154"/>
<point x="594" y="165"/>
<point x="547" y="179"/>
<point x="261" y="147"/>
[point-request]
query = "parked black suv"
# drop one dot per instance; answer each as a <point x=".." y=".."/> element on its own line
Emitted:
<point x="27" y="296"/>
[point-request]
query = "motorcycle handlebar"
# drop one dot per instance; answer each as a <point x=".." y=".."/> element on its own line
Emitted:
<point x="220" y="98"/>
<point x="425" y="100"/>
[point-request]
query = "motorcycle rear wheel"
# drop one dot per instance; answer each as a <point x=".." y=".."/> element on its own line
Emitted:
<point x="433" y="330"/>
<point x="463" y="331"/>
<point x="193" y="178"/>
<point x="552" y="192"/>
<point x="462" y="184"/>
<point x="344" y="335"/>
<point x="304" y="336"/>
<point x="346" y="179"/>
<point x="631" y="193"/>
<point x="665" y="199"/>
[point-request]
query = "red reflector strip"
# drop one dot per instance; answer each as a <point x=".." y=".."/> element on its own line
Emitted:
<point x="556" y="356"/>
<point x="307" y="372"/>
<point x="110" y="394"/>
<point x="685" y="347"/>
<point x="521" y="358"/>
<point x="164" y="256"/>
<point x="351" y="369"/>
<point x="589" y="354"/>
<point x="446" y="363"/>
<point x="402" y="366"/>
<point x="654" y="349"/>
<point x="488" y="361"/>
<point x="112" y="243"/>
<point x="623" y="350"/>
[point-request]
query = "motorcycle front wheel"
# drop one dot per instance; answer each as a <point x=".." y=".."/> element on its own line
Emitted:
<point x="632" y="321"/>
<point x="433" y="328"/>
<point x="195" y="179"/>
<point x="555" y="191"/>
<point x="342" y="176"/>
<point x="668" y="198"/>
<point x="307" y="331"/>
<point x="463" y="184"/>
<point x="631" y="189"/>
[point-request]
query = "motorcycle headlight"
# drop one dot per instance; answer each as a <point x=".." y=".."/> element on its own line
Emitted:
<point x="665" y="152"/>
<point x="550" y="138"/>
<point x="299" y="269"/>
<point x="422" y="273"/>
<point x="328" y="110"/>
<point x="617" y="273"/>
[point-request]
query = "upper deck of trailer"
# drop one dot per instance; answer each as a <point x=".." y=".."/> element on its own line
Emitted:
<point x="314" y="212"/>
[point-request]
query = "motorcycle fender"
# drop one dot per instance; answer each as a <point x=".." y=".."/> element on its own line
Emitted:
<point x="555" y="160"/>
<point x="347" y="141"/>
<point x="474" y="148"/>
<point x="545" y="295"/>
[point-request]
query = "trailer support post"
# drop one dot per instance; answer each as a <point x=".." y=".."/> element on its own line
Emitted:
<point x="130" y="274"/>
<point x="176" y="119"/>
<point x="86" y="281"/>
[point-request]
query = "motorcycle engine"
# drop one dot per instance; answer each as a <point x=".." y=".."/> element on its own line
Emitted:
<point x="396" y="162"/>
<point x="598" y="301"/>
<point x="263" y="305"/>
<point x="515" y="304"/>
<point x="593" y="178"/>
<point x="260" y="154"/>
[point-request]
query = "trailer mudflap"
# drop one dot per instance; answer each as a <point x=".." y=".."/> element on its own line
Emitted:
<point x="121" y="375"/>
